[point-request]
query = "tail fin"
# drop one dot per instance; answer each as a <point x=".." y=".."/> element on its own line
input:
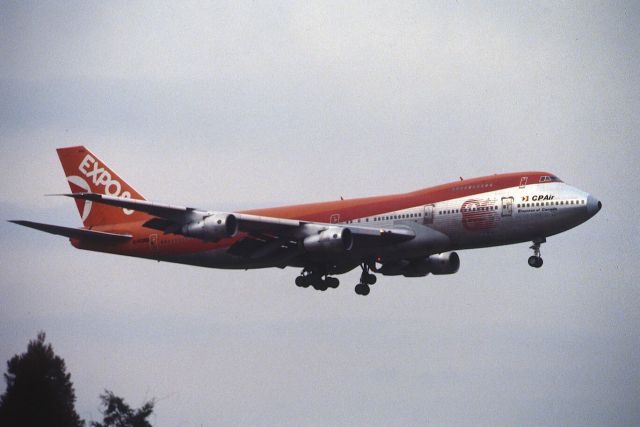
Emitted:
<point x="86" y="173"/>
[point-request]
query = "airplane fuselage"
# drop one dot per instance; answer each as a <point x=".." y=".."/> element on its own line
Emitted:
<point x="410" y="234"/>
<point x="475" y="213"/>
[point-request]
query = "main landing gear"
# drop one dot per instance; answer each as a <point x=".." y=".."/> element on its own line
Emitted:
<point x="319" y="282"/>
<point x="366" y="280"/>
<point x="536" y="260"/>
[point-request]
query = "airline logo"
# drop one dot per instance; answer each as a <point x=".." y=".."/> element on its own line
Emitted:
<point x="91" y="169"/>
<point x="478" y="215"/>
<point x="538" y="197"/>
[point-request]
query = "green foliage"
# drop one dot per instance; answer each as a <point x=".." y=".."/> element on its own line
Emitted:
<point x="39" y="391"/>
<point x="118" y="414"/>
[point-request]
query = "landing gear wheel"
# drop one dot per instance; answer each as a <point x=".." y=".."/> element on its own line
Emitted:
<point x="332" y="282"/>
<point x="369" y="279"/>
<point x="302" y="282"/>
<point x="535" y="261"/>
<point x="317" y="283"/>
<point x="366" y="279"/>
<point x="362" y="289"/>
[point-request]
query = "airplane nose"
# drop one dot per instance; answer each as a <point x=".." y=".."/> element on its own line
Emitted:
<point x="593" y="205"/>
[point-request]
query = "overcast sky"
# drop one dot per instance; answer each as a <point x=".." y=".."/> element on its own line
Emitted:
<point x="246" y="104"/>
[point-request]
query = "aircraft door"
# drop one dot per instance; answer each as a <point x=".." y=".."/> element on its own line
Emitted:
<point x="428" y="214"/>
<point x="507" y="206"/>
<point x="153" y="243"/>
<point x="523" y="181"/>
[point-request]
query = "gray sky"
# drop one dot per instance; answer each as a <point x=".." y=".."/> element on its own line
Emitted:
<point x="240" y="105"/>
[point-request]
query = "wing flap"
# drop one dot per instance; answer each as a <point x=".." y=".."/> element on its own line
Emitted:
<point x="74" y="233"/>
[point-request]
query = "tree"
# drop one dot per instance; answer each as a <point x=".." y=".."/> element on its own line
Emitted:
<point x="118" y="414"/>
<point x="39" y="391"/>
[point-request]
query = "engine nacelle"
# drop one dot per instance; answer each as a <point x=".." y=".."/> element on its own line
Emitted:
<point x="212" y="228"/>
<point x="447" y="263"/>
<point x="334" y="239"/>
<point x="395" y="268"/>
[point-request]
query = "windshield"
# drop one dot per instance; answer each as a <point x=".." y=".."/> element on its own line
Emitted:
<point x="550" y="178"/>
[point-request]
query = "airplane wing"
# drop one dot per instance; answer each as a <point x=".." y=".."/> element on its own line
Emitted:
<point x="174" y="219"/>
<point x="74" y="233"/>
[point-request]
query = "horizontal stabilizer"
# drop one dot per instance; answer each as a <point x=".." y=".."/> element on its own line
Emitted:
<point x="74" y="233"/>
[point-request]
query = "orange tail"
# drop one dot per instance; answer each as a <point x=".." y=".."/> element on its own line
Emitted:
<point x="86" y="173"/>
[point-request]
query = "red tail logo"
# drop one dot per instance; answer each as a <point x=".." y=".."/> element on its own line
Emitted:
<point x="86" y="173"/>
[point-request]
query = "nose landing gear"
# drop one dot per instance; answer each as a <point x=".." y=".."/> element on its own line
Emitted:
<point x="536" y="260"/>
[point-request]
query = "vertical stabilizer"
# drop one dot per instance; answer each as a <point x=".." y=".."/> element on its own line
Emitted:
<point x="85" y="172"/>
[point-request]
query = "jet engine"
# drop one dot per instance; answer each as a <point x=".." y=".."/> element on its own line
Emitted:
<point x="212" y="228"/>
<point x="447" y="263"/>
<point x="333" y="239"/>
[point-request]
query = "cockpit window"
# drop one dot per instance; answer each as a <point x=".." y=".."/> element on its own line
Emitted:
<point x="550" y="178"/>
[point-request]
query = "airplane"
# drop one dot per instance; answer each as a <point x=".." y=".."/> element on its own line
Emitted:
<point x="411" y="234"/>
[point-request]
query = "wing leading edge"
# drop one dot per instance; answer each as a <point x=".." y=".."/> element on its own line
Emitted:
<point x="172" y="218"/>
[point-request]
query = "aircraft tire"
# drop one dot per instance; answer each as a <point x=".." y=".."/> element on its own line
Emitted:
<point x="370" y="279"/>
<point x="301" y="282"/>
<point x="332" y="282"/>
<point x="318" y="284"/>
<point x="362" y="289"/>
<point x="535" y="261"/>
